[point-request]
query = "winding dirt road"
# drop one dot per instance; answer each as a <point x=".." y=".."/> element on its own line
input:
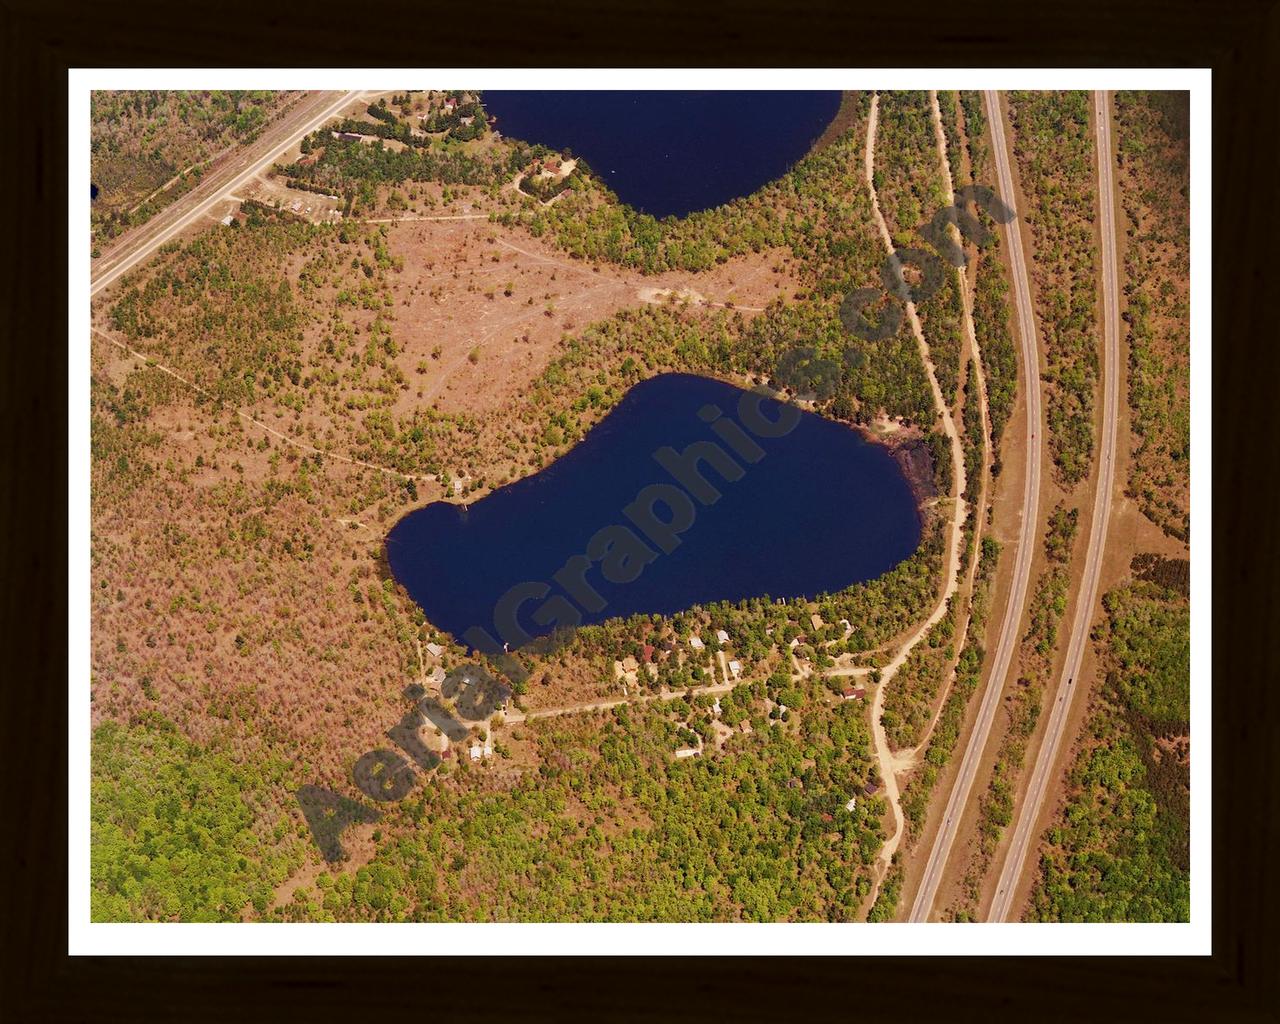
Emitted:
<point x="963" y="785"/>
<point x="888" y="763"/>
<point x="1024" y="832"/>
<point x="312" y="111"/>
<point x="516" y="717"/>
<point x="909" y="758"/>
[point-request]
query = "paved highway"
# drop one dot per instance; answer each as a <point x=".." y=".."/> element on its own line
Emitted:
<point x="1009" y="629"/>
<point x="1024" y="833"/>
<point x="312" y="111"/>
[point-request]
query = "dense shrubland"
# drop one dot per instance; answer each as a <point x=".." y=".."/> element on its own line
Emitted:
<point x="181" y="832"/>
<point x="990" y="289"/>
<point x="942" y="740"/>
<point x="1152" y="128"/>
<point x="1055" y="149"/>
<point x="911" y="188"/>
<point x="1120" y="850"/>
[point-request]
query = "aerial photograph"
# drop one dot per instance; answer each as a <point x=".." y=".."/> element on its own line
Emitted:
<point x="639" y="506"/>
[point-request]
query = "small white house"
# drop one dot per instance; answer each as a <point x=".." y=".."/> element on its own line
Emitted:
<point x="477" y="751"/>
<point x="735" y="667"/>
<point x="435" y="650"/>
<point x="715" y="706"/>
<point x="687" y="752"/>
<point x="853" y="802"/>
<point x="696" y="643"/>
<point x="722" y="636"/>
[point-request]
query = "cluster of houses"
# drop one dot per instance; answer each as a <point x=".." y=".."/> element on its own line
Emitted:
<point x="478" y="749"/>
<point x="722" y="638"/>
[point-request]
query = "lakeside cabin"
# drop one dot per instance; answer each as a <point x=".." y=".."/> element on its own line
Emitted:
<point x="696" y="643"/>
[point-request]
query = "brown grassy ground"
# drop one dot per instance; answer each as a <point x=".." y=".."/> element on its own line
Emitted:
<point x="453" y="295"/>
<point x="227" y="567"/>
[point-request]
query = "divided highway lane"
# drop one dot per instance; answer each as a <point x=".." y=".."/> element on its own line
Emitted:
<point x="1009" y="629"/>
<point x="1024" y="833"/>
<point x="131" y="249"/>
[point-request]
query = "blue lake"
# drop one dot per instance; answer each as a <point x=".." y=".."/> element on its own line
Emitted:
<point x="772" y="501"/>
<point x="671" y="153"/>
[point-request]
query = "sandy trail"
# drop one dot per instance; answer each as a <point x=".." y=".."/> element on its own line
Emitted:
<point x="300" y="445"/>
<point x="408" y="220"/>
<point x="979" y="519"/>
<point x="951" y="573"/>
<point x="516" y="717"/>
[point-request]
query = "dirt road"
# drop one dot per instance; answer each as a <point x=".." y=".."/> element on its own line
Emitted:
<point x="1024" y="832"/>
<point x="908" y="759"/>
<point x="136" y="245"/>
<point x="1009" y="630"/>
<point x="300" y="445"/>
<point x="515" y="717"/>
<point x="951" y="571"/>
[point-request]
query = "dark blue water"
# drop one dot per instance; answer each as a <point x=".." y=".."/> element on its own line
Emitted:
<point x="672" y="152"/>
<point x="818" y="509"/>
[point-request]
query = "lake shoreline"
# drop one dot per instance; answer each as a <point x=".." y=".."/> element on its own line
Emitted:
<point x="845" y="119"/>
<point x="675" y="153"/>
<point x="466" y="564"/>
